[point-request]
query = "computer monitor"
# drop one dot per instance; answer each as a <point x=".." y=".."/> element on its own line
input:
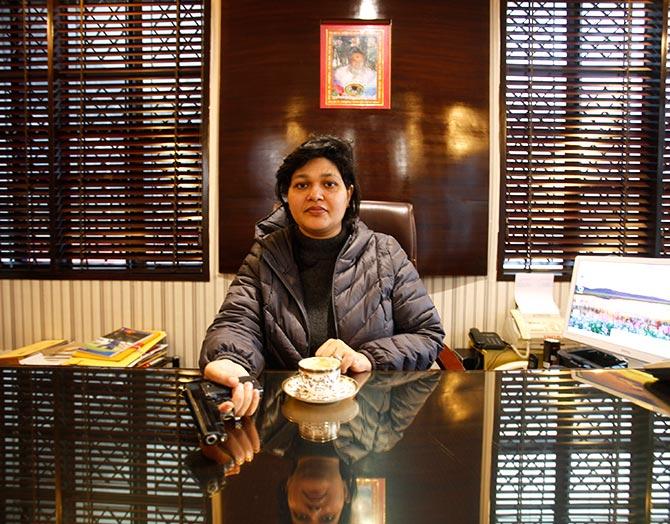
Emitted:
<point x="621" y="305"/>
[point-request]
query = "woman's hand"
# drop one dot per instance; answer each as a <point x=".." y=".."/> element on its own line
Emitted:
<point x="350" y="359"/>
<point x="245" y="398"/>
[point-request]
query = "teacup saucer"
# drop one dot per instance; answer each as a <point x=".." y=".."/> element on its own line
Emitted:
<point x="346" y="387"/>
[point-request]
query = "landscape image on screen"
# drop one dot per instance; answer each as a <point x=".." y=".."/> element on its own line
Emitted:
<point x="610" y="303"/>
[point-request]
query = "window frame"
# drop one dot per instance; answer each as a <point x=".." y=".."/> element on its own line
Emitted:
<point x="656" y="220"/>
<point x="166" y="209"/>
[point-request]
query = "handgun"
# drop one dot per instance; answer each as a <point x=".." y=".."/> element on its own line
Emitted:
<point x="203" y="398"/>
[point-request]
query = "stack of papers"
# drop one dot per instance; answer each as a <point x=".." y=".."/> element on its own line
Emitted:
<point x="534" y="294"/>
<point x="14" y="357"/>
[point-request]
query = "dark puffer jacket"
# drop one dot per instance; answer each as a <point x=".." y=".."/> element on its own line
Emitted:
<point x="380" y="305"/>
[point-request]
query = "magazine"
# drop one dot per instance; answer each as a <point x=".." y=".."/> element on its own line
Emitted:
<point x="118" y="344"/>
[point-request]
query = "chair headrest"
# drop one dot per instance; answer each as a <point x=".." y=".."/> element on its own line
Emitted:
<point x="392" y="218"/>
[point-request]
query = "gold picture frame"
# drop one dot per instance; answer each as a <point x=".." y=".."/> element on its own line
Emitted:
<point x="356" y="65"/>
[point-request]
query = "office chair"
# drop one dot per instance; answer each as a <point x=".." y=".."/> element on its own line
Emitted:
<point x="392" y="218"/>
<point x="397" y="219"/>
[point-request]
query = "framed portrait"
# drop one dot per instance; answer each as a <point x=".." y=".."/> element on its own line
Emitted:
<point x="356" y="65"/>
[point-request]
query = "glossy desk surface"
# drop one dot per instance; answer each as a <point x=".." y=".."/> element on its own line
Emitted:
<point x="84" y="445"/>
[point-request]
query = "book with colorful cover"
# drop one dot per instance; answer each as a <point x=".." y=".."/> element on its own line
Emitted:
<point x="129" y="361"/>
<point x="150" y="354"/>
<point x="119" y="344"/>
<point x="158" y="359"/>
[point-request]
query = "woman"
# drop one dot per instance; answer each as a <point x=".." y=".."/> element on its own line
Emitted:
<point x="318" y="282"/>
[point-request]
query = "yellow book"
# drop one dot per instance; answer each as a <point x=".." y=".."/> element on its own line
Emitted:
<point x="13" y="356"/>
<point x="118" y="345"/>
<point x="127" y="360"/>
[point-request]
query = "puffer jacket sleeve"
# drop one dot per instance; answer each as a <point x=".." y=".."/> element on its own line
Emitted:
<point x="236" y="332"/>
<point x="418" y="334"/>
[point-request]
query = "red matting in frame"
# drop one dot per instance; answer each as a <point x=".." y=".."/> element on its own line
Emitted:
<point x="356" y="65"/>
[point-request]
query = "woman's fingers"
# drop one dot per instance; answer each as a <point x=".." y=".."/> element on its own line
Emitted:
<point x="349" y="358"/>
<point x="361" y="364"/>
<point x="256" y="398"/>
<point x="333" y="347"/>
<point x="247" y="397"/>
<point x="244" y="399"/>
<point x="328" y="348"/>
<point x="226" y="407"/>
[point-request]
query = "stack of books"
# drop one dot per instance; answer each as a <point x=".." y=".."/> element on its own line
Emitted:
<point x="124" y="348"/>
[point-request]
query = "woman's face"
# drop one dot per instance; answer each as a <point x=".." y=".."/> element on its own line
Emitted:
<point x="318" y="198"/>
<point x="316" y="491"/>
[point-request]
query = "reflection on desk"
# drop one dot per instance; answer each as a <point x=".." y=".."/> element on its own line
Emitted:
<point x="85" y="445"/>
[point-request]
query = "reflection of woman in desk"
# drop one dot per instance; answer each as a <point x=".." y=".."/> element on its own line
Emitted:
<point x="320" y="488"/>
<point x="322" y="481"/>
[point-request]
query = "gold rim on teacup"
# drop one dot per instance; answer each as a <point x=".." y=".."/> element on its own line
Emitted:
<point x="330" y="364"/>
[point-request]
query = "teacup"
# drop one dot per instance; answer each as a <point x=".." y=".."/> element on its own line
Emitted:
<point x="319" y="375"/>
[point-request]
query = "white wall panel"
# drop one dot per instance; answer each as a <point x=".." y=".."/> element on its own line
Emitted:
<point x="35" y="310"/>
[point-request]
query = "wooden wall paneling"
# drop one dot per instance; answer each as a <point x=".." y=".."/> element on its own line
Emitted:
<point x="430" y="148"/>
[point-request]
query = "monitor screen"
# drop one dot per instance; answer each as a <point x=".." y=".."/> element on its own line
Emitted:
<point x="621" y="305"/>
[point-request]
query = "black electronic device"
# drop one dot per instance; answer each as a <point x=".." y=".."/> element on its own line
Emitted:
<point x="486" y="340"/>
<point x="590" y="358"/>
<point x="203" y="399"/>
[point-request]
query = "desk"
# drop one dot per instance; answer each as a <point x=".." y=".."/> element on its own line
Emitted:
<point x="86" y="445"/>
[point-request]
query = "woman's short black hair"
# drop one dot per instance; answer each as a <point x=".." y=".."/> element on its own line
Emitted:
<point x="338" y="151"/>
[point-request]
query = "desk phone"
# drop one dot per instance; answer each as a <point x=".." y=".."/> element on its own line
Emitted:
<point x="486" y="340"/>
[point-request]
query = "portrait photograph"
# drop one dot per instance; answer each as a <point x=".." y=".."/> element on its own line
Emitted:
<point x="356" y="65"/>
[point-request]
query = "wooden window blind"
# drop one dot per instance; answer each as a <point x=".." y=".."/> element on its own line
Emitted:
<point x="101" y="139"/>
<point x="568" y="452"/>
<point x="118" y="446"/>
<point x="585" y="134"/>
